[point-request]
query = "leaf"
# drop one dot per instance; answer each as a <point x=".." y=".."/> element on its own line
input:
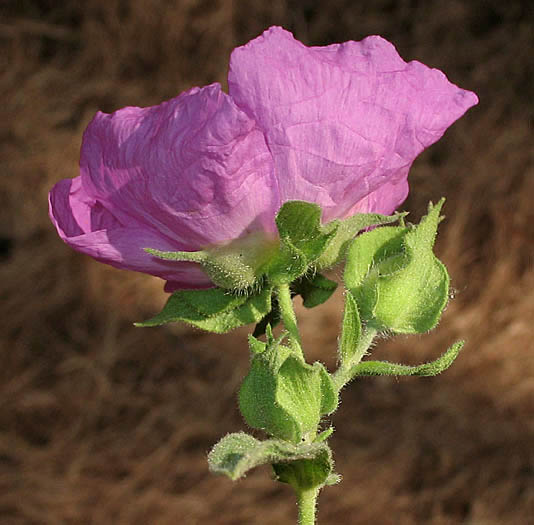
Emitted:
<point x="314" y="290"/>
<point x="305" y="474"/>
<point x="272" y="318"/>
<point x="238" y="453"/>
<point x="214" y="310"/>
<point x="351" y="332"/>
<point x="382" y="368"/>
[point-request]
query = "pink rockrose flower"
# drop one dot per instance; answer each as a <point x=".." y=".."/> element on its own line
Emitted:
<point x="338" y="125"/>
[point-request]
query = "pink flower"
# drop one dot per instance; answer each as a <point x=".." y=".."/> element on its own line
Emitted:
<point x="338" y="126"/>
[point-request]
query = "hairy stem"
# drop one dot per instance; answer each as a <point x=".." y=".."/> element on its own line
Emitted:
<point x="288" y="316"/>
<point x="307" y="501"/>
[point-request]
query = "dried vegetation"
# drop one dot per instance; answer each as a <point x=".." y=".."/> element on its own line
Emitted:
<point x="104" y="423"/>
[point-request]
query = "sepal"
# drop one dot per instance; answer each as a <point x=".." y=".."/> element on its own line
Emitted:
<point x="397" y="281"/>
<point x="346" y="230"/>
<point x="237" y="265"/>
<point x="315" y="290"/>
<point x="351" y="331"/>
<point x="283" y="395"/>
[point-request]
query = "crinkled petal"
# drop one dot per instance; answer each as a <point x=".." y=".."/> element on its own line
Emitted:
<point x="89" y="228"/>
<point x="342" y="121"/>
<point x="186" y="168"/>
<point x="385" y="200"/>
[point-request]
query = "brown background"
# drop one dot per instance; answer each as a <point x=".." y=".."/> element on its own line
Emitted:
<point x="101" y="422"/>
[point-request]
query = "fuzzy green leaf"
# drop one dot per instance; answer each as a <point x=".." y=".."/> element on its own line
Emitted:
<point x="214" y="310"/>
<point x="314" y="290"/>
<point x="305" y="474"/>
<point x="382" y="368"/>
<point x="237" y="453"/>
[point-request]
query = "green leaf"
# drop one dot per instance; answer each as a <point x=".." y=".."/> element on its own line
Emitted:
<point x="351" y="332"/>
<point x="346" y="230"/>
<point x="382" y="368"/>
<point x="315" y="290"/>
<point x="299" y="392"/>
<point x="396" y="280"/>
<point x="305" y="474"/>
<point x="283" y="395"/>
<point x="272" y="319"/>
<point x="238" y="453"/>
<point x="214" y="310"/>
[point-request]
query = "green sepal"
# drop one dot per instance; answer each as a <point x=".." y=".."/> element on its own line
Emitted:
<point x="383" y="368"/>
<point x="363" y="268"/>
<point x="324" y="435"/>
<point x="302" y="241"/>
<point x="305" y="474"/>
<point x="346" y="230"/>
<point x="351" y="332"/>
<point x="272" y="319"/>
<point x="283" y="395"/>
<point x="235" y="454"/>
<point x="397" y="281"/>
<point x="315" y="290"/>
<point x="237" y="265"/>
<point x="300" y="223"/>
<point x="214" y="309"/>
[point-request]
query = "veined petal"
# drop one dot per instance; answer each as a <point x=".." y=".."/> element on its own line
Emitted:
<point x="342" y="121"/>
<point x="89" y="228"/>
<point x="185" y="168"/>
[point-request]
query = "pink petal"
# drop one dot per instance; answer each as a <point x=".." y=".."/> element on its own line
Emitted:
<point x="342" y="121"/>
<point x="89" y="228"/>
<point x="186" y="168"/>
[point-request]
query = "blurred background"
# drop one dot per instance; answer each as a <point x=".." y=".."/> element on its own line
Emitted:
<point x="101" y="422"/>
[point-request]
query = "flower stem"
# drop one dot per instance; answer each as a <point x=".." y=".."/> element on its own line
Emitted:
<point x="289" y="318"/>
<point x="306" y="501"/>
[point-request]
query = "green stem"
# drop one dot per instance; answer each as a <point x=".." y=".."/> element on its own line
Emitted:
<point x="306" y="501"/>
<point x="289" y="318"/>
<point x="343" y="374"/>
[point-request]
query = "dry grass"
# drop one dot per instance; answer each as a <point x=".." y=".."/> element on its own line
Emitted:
<point x="104" y="423"/>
